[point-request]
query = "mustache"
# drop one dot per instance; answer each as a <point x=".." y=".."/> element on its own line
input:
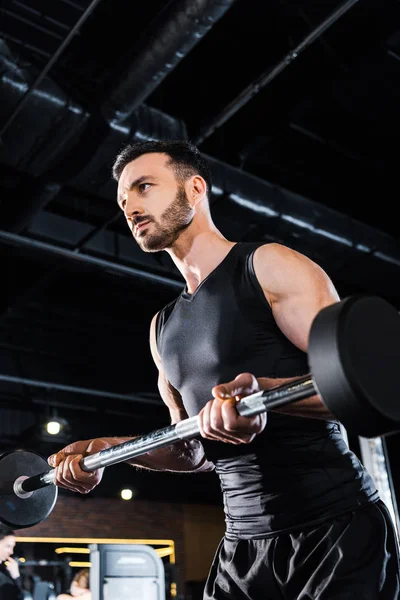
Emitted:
<point x="138" y="220"/>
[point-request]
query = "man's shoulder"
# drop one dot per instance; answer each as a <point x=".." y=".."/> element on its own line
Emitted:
<point x="276" y="253"/>
<point x="275" y="248"/>
<point x="261" y="246"/>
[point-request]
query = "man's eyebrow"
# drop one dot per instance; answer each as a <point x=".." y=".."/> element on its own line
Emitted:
<point x="137" y="182"/>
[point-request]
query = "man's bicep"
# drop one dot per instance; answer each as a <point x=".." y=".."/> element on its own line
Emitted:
<point x="295" y="315"/>
<point x="296" y="288"/>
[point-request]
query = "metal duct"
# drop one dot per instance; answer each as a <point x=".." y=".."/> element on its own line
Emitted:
<point x="83" y="148"/>
<point x="351" y="251"/>
<point x="71" y="34"/>
<point x="146" y="123"/>
<point x="340" y="243"/>
<point x="178" y="28"/>
<point x="29" y="143"/>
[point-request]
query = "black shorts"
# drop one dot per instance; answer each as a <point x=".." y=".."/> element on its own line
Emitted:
<point x="351" y="557"/>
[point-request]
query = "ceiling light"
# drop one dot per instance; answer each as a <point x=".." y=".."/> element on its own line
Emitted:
<point x="53" y="427"/>
<point x="126" y="494"/>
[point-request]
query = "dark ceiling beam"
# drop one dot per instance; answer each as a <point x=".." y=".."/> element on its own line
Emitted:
<point x="40" y="77"/>
<point x="357" y="254"/>
<point x="21" y="241"/>
<point x="96" y="230"/>
<point x="85" y="166"/>
<point x="178" y="28"/>
<point x="327" y="47"/>
<point x="269" y="75"/>
<point x="53" y="271"/>
<point x="332" y="144"/>
<point x="51" y="385"/>
<point x="393" y="54"/>
<point x="41" y="192"/>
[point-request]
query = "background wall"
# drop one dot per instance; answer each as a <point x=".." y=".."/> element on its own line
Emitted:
<point x="195" y="529"/>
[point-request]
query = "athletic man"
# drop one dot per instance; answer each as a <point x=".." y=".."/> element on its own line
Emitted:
<point x="303" y="517"/>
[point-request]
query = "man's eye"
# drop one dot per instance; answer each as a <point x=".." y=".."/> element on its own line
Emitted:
<point x="142" y="187"/>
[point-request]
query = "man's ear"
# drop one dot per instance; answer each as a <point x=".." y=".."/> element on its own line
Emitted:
<point x="198" y="190"/>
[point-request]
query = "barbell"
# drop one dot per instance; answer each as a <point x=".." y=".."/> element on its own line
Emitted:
<point x="353" y="356"/>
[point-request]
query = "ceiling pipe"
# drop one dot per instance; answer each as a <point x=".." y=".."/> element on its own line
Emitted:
<point x="49" y="385"/>
<point x="178" y="28"/>
<point x="79" y="257"/>
<point x="24" y="99"/>
<point x="265" y="78"/>
<point x="293" y="218"/>
<point x="270" y="203"/>
<point x="80" y="152"/>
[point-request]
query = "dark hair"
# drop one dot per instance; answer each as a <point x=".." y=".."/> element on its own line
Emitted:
<point x="184" y="158"/>
<point x="5" y="531"/>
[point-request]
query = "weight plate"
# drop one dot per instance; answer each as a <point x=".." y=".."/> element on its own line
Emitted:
<point x="354" y="356"/>
<point x="16" y="512"/>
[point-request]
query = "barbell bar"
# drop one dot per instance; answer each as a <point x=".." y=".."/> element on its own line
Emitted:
<point x="353" y="355"/>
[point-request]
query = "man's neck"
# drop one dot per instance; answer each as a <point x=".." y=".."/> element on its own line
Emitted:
<point x="197" y="256"/>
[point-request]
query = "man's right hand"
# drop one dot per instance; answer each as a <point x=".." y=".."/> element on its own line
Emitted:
<point x="68" y="473"/>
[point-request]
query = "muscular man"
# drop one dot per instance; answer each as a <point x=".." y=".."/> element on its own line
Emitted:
<point x="303" y="517"/>
<point x="10" y="578"/>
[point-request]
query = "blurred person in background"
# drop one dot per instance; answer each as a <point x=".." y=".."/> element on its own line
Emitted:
<point x="10" y="578"/>
<point x="79" y="587"/>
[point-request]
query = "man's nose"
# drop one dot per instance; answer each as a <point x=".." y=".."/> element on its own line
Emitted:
<point x="133" y="207"/>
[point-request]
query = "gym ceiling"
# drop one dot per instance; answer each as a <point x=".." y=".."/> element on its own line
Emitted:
<point x="296" y="105"/>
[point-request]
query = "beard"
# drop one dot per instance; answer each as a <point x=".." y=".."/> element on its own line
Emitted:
<point x="173" y="221"/>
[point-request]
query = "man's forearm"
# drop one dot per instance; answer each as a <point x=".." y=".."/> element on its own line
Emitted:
<point x="311" y="407"/>
<point x="185" y="456"/>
